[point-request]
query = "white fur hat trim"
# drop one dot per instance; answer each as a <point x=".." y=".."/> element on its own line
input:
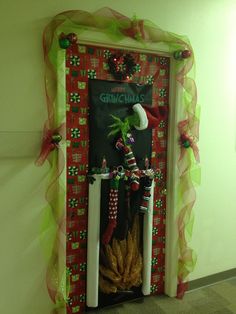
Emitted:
<point x="143" y="120"/>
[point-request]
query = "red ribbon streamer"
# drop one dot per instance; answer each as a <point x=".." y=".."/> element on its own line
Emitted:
<point x="47" y="145"/>
<point x="181" y="289"/>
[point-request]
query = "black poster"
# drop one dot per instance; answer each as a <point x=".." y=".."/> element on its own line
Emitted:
<point x="108" y="98"/>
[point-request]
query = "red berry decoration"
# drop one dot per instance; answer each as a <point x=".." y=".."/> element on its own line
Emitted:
<point x="182" y="54"/>
<point x="72" y="38"/>
<point x="186" y="54"/>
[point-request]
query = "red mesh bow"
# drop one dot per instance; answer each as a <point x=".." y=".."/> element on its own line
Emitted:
<point x="187" y="140"/>
<point x="49" y="143"/>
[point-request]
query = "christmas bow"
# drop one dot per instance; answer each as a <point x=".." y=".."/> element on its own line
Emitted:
<point x="51" y="139"/>
<point x="186" y="141"/>
<point x="136" y="30"/>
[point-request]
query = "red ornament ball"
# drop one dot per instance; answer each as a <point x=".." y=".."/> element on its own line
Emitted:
<point x="72" y="38"/>
<point x="186" y="54"/>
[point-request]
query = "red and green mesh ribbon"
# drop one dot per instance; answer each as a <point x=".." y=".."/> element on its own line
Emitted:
<point x="117" y="27"/>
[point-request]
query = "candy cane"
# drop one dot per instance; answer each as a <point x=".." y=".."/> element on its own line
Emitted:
<point x="131" y="163"/>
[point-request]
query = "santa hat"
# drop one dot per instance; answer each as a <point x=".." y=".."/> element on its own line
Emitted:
<point x="149" y="117"/>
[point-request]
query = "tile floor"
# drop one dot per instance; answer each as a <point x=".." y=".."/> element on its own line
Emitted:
<point x="219" y="298"/>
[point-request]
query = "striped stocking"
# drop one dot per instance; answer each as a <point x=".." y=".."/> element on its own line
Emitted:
<point x="113" y="205"/>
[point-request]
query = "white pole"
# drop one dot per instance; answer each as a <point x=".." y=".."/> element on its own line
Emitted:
<point x="93" y="242"/>
<point x="147" y="245"/>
